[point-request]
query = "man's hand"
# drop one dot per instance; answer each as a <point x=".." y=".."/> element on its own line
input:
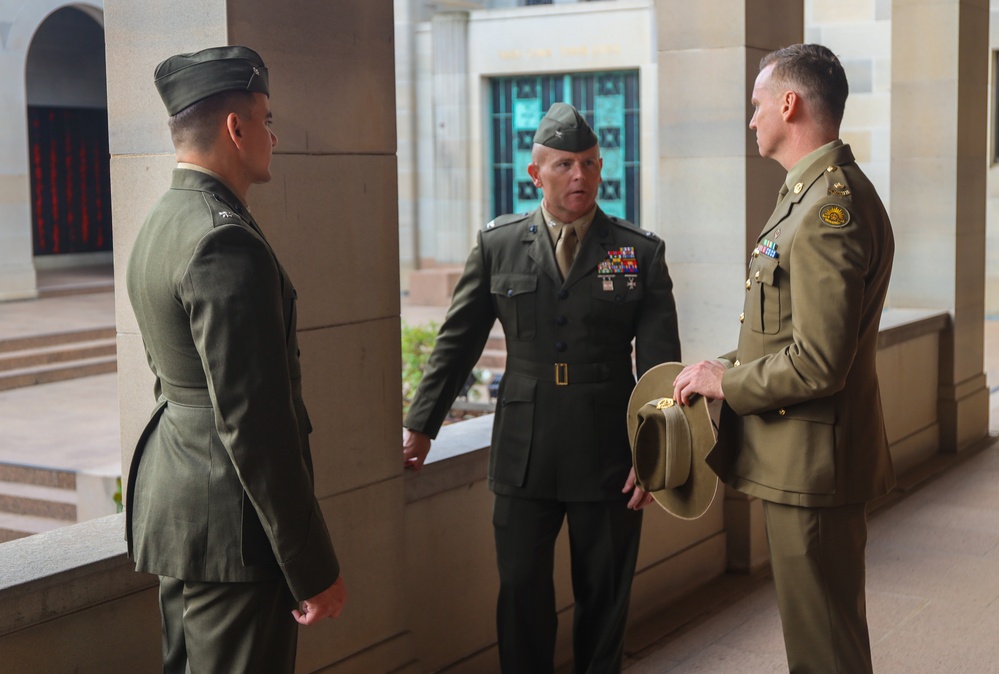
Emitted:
<point x="704" y="378"/>
<point x="326" y="604"/>
<point x="639" y="498"/>
<point x="415" y="447"/>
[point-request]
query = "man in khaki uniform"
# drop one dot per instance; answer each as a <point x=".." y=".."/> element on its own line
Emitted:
<point x="572" y="288"/>
<point x="802" y="426"/>
<point x="220" y="491"/>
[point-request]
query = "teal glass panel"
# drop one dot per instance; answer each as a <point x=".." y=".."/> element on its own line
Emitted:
<point x="608" y="100"/>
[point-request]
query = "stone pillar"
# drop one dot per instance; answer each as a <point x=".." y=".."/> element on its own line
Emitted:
<point x="406" y="115"/>
<point x="715" y="191"/>
<point x="330" y="213"/>
<point x="938" y="168"/>
<point x="451" y="151"/>
<point x="17" y="269"/>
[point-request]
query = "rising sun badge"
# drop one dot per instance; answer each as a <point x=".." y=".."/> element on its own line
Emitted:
<point x="834" y="215"/>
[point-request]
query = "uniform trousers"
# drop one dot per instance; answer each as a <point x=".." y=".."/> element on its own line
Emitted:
<point x="603" y="543"/>
<point x="817" y="558"/>
<point x="237" y="628"/>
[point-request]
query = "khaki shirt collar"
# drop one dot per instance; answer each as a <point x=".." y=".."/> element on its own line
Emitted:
<point x="582" y="224"/>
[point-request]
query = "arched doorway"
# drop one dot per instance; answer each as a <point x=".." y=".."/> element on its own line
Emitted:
<point x="68" y="155"/>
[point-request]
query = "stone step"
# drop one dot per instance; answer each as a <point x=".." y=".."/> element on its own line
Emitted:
<point x="57" y="353"/>
<point x="18" y="498"/>
<point x="53" y="338"/>
<point x="44" y="374"/>
<point x="77" y="288"/>
<point x="38" y="475"/>
<point x="18" y="526"/>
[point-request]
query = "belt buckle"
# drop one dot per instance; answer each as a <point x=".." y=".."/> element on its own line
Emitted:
<point x="561" y="374"/>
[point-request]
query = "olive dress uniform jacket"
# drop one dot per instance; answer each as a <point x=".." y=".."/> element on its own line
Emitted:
<point x="802" y="422"/>
<point x="560" y="429"/>
<point x="220" y="488"/>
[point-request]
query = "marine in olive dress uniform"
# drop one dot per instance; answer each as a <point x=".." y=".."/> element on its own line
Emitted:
<point x="560" y="449"/>
<point x="220" y="500"/>
<point x="802" y="426"/>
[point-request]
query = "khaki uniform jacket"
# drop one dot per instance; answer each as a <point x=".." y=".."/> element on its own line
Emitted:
<point x="220" y="488"/>
<point x="566" y="442"/>
<point x="802" y="423"/>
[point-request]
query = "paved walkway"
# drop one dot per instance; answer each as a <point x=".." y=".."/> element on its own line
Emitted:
<point x="933" y="557"/>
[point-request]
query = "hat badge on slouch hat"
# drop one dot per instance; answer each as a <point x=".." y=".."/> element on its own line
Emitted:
<point x="184" y="79"/>
<point x="669" y="442"/>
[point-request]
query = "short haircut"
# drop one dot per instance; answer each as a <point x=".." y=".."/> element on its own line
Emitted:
<point x="815" y="73"/>
<point x="196" y="127"/>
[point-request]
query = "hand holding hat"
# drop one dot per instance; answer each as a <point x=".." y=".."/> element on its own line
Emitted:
<point x="669" y="442"/>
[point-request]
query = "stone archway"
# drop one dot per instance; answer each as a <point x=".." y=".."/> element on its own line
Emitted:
<point x="68" y="155"/>
<point x="19" y="28"/>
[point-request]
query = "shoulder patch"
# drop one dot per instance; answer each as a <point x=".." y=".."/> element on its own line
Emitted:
<point x="834" y="215"/>
<point x="506" y="219"/>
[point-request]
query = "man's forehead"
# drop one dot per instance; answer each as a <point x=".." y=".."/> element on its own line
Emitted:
<point x="556" y="155"/>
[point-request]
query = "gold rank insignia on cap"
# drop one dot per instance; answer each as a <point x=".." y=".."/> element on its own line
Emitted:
<point x="834" y="215"/>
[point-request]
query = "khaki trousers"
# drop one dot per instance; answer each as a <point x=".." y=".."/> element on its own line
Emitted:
<point x="817" y="558"/>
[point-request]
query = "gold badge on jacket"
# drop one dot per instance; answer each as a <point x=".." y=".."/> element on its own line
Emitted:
<point x="834" y="215"/>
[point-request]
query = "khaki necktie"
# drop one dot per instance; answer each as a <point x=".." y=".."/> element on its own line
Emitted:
<point x="565" y="249"/>
<point x="782" y="193"/>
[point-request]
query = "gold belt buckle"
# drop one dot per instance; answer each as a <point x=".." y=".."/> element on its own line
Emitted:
<point x="561" y="374"/>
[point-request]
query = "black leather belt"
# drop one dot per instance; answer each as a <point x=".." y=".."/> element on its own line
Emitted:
<point x="564" y="374"/>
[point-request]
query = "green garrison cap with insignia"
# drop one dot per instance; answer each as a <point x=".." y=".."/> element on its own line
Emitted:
<point x="185" y="79"/>
<point x="563" y="128"/>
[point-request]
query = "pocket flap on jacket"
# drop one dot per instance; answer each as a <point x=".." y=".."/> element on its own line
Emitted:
<point x="766" y="268"/>
<point x="518" y="390"/>
<point x="513" y="284"/>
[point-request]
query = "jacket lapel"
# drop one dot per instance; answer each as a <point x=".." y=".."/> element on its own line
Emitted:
<point x="539" y="246"/>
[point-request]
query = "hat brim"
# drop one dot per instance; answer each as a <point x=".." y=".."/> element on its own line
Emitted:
<point x="692" y="499"/>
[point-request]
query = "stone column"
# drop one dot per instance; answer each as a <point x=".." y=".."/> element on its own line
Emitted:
<point x="452" y="211"/>
<point x="330" y="213"/>
<point x="406" y="115"/>
<point x="938" y="189"/>
<point x="715" y="191"/>
<point x="17" y="269"/>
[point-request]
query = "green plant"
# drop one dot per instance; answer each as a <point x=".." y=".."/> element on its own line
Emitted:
<point x="117" y="495"/>
<point x="417" y="343"/>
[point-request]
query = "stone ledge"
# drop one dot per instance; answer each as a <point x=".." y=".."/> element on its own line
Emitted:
<point x="459" y="456"/>
<point x="58" y="572"/>
<point x="902" y="325"/>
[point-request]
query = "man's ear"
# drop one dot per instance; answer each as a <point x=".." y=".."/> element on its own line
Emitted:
<point x="234" y="126"/>
<point x="790" y="105"/>
<point x="535" y="173"/>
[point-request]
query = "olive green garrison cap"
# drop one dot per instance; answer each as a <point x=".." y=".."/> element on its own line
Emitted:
<point x="563" y="128"/>
<point x="185" y="79"/>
